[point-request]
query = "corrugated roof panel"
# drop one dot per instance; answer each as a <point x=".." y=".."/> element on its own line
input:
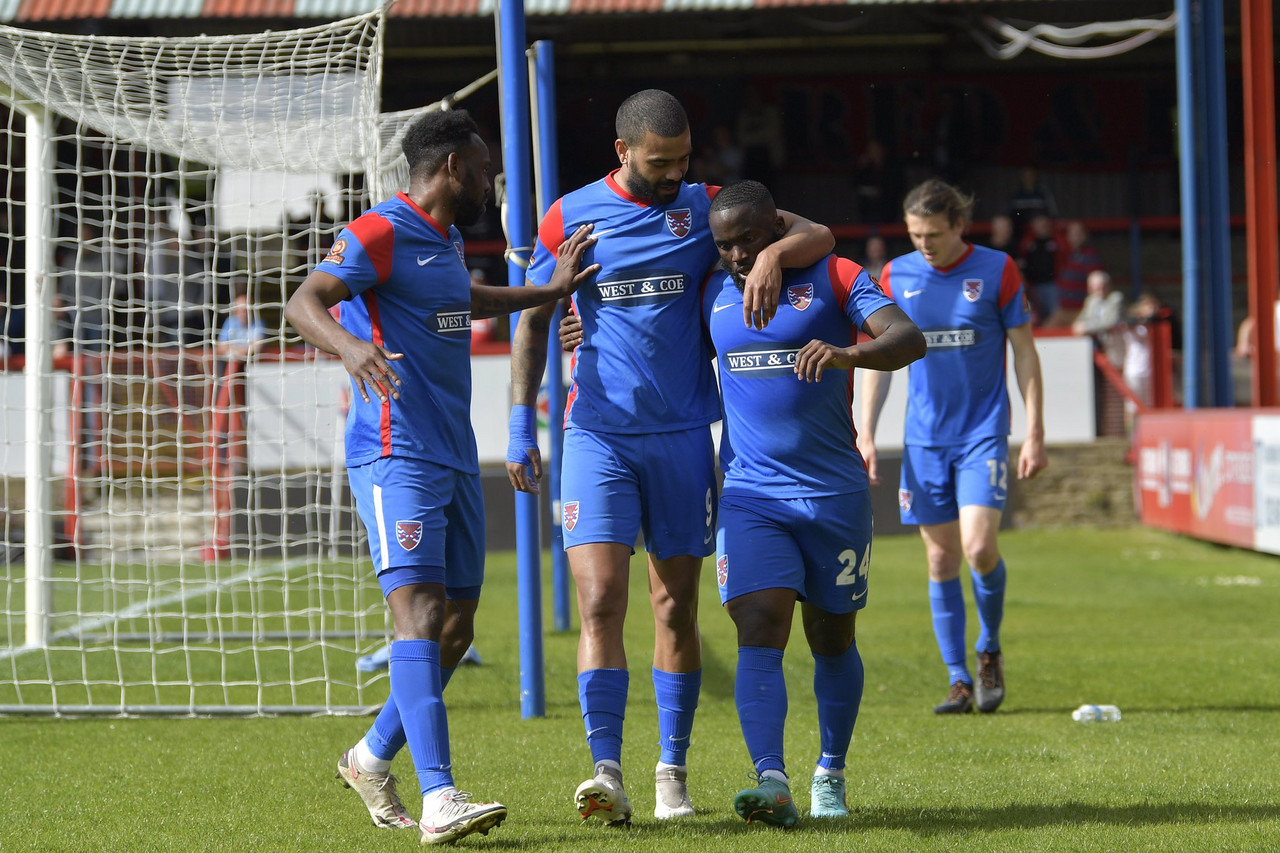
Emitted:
<point x="248" y="8"/>
<point x="438" y="9"/>
<point x="333" y="10"/>
<point x="52" y="10"/>
<point x="157" y="8"/>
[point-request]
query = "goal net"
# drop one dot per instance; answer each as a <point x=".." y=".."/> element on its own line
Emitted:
<point x="175" y="535"/>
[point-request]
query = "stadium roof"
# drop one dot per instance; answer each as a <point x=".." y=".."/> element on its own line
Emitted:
<point x="31" y="11"/>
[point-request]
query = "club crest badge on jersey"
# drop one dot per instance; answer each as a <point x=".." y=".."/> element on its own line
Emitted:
<point x="462" y="254"/>
<point x="800" y="296"/>
<point x="408" y="534"/>
<point x="905" y="499"/>
<point x="722" y="569"/>
<point x="337" y="252"/>
<point x="570" y="515"/>
<point x="679" y="221"/>
<point x="972" y="289"/>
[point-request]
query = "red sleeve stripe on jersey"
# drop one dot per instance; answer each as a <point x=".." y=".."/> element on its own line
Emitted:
<point x="551" y="229"/>
<point x="1010" y="281"/>
<point x="712" y="190"/>
<point x="885" y="287"/>
<point x="375" y="332"/>
<point x="842" y="272"/>
<point x="378" y="238"/>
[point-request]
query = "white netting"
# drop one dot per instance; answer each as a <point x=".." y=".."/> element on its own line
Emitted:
<point x="205" y="555"/>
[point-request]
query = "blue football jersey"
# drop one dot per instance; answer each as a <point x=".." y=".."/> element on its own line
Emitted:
<point x="956" y="394"/>
<point x="410" y="293"/>
<point x="791" y="438"/>
<point x="643" y="366"/>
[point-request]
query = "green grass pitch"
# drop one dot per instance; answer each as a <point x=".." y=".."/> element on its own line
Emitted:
<point x="1180" y="634"/>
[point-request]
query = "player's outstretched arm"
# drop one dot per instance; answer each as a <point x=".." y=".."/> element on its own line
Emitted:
<point x="895" y="342"/>
<point x="875" y="388"/>
<point x="1032" y="459"/>
<point x="490" y="301"/>
<point x="804" y="244"/>
<point x="369" y="364"/>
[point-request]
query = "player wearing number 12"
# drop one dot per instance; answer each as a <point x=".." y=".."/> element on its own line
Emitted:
<point x="968" y="300"/>
<point x="795" y="514"/>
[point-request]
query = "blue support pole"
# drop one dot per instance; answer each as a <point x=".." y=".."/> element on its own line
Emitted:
<point x="1217" y="227"/>
<point x="513" y="92"/>
<point x="544" y="79"/>
<point x="1188" y="118"/>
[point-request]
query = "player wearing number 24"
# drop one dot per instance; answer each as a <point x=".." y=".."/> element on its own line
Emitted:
<point x="795" y="512"/>
<point x="970" y="299"/>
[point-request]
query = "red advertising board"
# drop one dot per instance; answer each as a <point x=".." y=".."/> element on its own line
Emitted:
<point x="1195" y="474"/>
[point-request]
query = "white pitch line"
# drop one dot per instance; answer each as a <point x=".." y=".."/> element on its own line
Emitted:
<point x="144" y="607"/>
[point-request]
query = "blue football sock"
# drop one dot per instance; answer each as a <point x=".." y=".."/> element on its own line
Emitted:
<point x="415" y="684"/>
<point x="385" y="737"/>
<point x="677" y="695"/>
<point x="946" y="600"/>
<point x="602" y="694"/>
<point x="837" y="685"/>
<point x="760" y="692"/>
<point x="988" y="595"/>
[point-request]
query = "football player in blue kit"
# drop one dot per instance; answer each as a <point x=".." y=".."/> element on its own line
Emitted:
<point x="638" y="453"/>
<point x="403" y="299"/>
<point x="968" y="300"/>
<point x="795" y="513"/>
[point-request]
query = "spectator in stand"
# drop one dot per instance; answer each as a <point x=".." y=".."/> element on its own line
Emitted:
<point x="1082" y="259"/>
<point x="877" y="186"/>
<point x="1030" y="199"/>
<point x="1101" y="314"/>
<point x="1039" y="263"/>
<point x="1137" y="350"/>
<point x="241" y="335"/>
<point x="1002" y="237"/>
<point x="874" y="256"/>
<point x="759" y="132"/>
<point x="725" y="158"/>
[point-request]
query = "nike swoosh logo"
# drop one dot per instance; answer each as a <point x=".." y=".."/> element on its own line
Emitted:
<point x="860" y="595"/>
<point x="718" y="308"/>
<point x="422" y="262"/>
<point x="906" y="294"/>
<point x="782" y="801"/>
<point x="602" y="233"/>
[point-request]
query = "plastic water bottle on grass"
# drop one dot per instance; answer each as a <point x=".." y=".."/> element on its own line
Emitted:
<point x="1096" y="714"/>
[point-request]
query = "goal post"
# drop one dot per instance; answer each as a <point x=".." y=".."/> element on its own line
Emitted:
<point x="149" y="182"/>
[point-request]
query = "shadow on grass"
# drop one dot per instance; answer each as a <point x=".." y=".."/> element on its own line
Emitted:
<point x="948" y="821"/>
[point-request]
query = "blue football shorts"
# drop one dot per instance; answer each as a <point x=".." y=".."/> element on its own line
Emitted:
<point x="425" y="524"/>
<point x="937" y="481"/>
<point x="820" y="547"/>
<point x="615" y="486"/>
